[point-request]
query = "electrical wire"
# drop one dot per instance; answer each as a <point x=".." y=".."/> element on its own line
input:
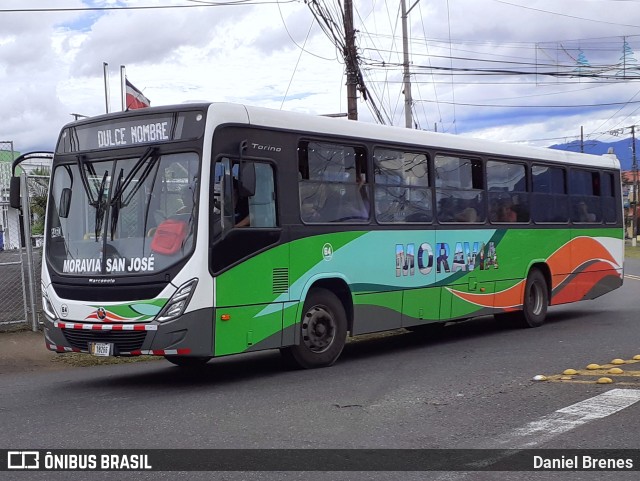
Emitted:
<point x="195" y="4"/>
<point x="566" y="15"/>
<point x="295" y="69"/>
<point x="284" y="24"/>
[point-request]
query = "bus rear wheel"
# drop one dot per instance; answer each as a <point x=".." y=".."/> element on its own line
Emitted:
<point x="534" y="305"/>
<point x="323" y="331"/>
<point x="184" y="361"/>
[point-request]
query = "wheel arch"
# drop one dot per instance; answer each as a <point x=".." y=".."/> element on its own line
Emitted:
<point x="543" y="267"/>
<point x="339" y="286"/>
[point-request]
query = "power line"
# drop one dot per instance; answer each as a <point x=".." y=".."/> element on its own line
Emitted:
<point x="566" y="15"/>
<point x="295" y="69"/>
<point x="607" y="104"/>
<point x="229" y="3"/>
<point x="284" y="24"/>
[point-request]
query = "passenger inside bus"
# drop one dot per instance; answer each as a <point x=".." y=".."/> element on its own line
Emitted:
<point x="583" y="214"/>
<point x="505" y="212"/>
<point x="468" y="214"/>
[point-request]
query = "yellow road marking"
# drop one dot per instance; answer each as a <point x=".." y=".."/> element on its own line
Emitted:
<point x="591" y="376"/>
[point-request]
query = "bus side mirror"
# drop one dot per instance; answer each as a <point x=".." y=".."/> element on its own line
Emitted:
<point x="65" y="203"/>
<point x="14" y="193"/>
<point x="247" y="179"/>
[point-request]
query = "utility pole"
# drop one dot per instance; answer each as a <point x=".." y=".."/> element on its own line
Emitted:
<point x="634" y="170"/>
<point x="351" y="61"/>
<point x="105" y="73"/>
<point x="406" y="77"/>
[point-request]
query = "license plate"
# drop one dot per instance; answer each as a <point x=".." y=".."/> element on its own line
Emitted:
<point x="102" y="349"/>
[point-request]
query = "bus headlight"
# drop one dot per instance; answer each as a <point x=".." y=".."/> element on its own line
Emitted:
<point x="48" y="309"/>
<point x="178" y="302"/>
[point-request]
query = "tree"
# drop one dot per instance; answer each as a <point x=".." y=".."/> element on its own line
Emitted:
<point x="38" y="191"/>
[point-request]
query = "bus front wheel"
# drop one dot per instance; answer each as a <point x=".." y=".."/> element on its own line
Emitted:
<point x="323" y="331"/>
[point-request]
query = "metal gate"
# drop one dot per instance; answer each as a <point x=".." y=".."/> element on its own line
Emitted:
<point x="20" y="247"/>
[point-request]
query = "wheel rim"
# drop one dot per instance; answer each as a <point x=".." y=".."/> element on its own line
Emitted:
<point x="318" y="329"/>
<point x="536" y="299"/>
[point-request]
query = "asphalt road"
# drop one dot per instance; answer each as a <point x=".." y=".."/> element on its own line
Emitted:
<point x="470" y="388"/>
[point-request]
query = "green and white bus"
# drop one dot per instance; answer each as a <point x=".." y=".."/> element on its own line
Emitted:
<point x="204" y="230"/>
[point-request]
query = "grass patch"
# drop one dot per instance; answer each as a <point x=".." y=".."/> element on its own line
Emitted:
<point x="632" y="252"/>
<point x="86" y="360"/>
<point x="17" y="327"/>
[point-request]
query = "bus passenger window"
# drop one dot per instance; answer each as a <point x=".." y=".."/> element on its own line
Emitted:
<point x="507" y="192"/>
<point x="332" y="183"/>
<point x="402" y="192"/>
<point x="549" y="201"/>
<point x="584" y="195"/>
<point x="459" y="189"/>
<point x="609" y="211"/>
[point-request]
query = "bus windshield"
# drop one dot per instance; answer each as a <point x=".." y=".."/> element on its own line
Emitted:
<point x="122" y="217"/>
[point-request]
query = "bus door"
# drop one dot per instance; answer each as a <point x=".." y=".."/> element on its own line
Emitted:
<point x="251" y="287"/>
<point x="415" y="263"/>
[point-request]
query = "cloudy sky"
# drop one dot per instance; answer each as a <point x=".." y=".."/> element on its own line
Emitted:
<point x="530" y="71"/>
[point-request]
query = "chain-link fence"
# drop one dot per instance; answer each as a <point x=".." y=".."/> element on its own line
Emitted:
<point x="20" y="261"/>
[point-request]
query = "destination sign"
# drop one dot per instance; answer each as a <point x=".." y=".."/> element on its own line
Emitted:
<point x="132" y="131"/>
<point x="137" y="134"/>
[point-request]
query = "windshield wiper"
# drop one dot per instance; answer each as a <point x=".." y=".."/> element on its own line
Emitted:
<point x="117" y="194"/>
<point x="115" y="205"/>
<point x="117" y="202"/>
<point x="85" y="180"/>
<point x="100" y="206"/>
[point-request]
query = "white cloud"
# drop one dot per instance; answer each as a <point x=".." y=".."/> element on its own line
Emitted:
<point x="51" y="63"/>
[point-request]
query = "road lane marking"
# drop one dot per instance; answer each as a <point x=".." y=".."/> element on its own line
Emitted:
<point x="563" y="420"/>
<point x="631" y="276"/>
<point x="544" y="429"/>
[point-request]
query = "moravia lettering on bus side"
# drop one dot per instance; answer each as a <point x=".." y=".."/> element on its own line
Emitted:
<point x="467" y="257"/>
<point x="136" y="134"/>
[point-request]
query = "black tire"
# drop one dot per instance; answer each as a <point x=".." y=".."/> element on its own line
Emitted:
<point x="534" y="304"/>
<point x="536" y="300"/>
<point x="323" y="331"/>
<point x="188" y="362"/>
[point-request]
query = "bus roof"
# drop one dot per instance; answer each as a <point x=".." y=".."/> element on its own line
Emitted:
<point x="225" y="113"/>
<point x="339" y="126"/>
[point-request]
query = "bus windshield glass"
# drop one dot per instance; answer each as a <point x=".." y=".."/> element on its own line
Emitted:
<point x="122" y="217"/>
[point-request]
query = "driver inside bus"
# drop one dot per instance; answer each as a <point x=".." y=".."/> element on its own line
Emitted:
<point x="186" y="195"/>
<point x="240" y="207"/>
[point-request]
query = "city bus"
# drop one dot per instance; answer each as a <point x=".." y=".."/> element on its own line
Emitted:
<point x="209" y="229"/>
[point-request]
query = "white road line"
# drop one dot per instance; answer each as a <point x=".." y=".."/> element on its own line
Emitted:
<point x="568" y="418"/>
<point x="631" y="276"/>
<point x="538" y="432"/>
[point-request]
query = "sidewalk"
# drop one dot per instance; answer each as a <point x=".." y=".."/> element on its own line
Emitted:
<point x="24" y="351"/>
